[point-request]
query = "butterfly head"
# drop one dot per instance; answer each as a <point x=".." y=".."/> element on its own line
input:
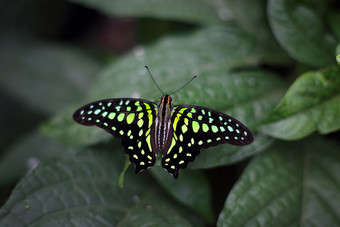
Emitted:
<point x="166" y="99"/>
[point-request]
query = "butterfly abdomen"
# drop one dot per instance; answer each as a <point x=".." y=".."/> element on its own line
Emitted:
<point x="163" y="127"/>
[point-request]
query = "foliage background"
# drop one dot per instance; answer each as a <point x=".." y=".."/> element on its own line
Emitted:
<point x="271" y="64"/>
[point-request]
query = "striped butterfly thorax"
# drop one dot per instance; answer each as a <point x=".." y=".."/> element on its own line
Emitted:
<point x="178" y="132"/>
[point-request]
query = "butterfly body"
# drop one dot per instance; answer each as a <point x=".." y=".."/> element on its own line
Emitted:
<point x="177" y="132"/>
<point x="163" y="124"/>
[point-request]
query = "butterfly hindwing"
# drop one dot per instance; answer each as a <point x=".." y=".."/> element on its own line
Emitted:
<point x="128" y="119"/>
<point x="196" y="128"/>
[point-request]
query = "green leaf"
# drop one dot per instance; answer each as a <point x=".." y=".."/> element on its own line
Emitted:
<point x="197" y="11"/>
<point x="209" y="53"/>
<point x="301" y="32"/>
<point x="63" y="128"/>
<point x="44" y="76"/>
<point x="191" y="188"/>
<point x="228" y="154"/>
<point x="311" y="103"/>
<point x="293" y="184"/>
<point x="338" y="54"/>
<point x="26" y="153"/>
<point x="174" y="60"/>
<point x="194" y="11"/>
<point x="333" y="19"/>
<point x="82" y="191"/>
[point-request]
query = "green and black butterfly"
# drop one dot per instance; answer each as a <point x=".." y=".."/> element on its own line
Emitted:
<point x="178" y="132"/>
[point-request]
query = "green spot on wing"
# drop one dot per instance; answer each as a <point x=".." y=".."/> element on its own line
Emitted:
<point x="140" y="132"/>
<point x="130" y="118"/>
<point x="140" y="123"/>
<point x="184" y="128"/>
<point x="214" y="128"/>
<point x="112" y="115"/>
<point x="195" y="126"/>
<point x="230" y="128"/>
<point x="121" y="117"/>
<point x="205" y="127"/>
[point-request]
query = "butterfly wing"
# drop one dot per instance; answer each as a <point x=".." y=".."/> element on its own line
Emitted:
<point x="130" y="120"/>
<point x="196" y="128"/>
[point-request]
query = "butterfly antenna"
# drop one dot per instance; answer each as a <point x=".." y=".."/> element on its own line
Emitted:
<point x="184" y="85"/>
<point x="154" y="80"/>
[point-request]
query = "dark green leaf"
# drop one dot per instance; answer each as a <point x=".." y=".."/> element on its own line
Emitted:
<point x="174" y="60"/>
<point x="82" y="191"/>
<point x="228" y="154"/>
<point x="25" y="154"/>
<point x="255" y="22"/>
<point x="44" y="76"/>
<point x="197" y="11"/>
<point x="338" y="54"/>
<point x="311" y="103"/>
<point x="191" y="189"/>
<point x="334" y="18"/>
<point x="201" y="12"/>
<point x="63" y="128"/>
<point x="295" y="184"/>
<point x="301" y="32"/>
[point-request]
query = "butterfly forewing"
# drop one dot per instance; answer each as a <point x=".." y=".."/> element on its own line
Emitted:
<point x="128" y="119"/>
<point x="196" y="128"/>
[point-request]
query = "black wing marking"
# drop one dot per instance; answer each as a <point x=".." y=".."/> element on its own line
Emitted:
<point x="128" y="119"/>
<point x="196" y="128"/>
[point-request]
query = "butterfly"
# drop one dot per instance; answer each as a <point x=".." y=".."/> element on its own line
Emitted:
<point x="178" y="132"/>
